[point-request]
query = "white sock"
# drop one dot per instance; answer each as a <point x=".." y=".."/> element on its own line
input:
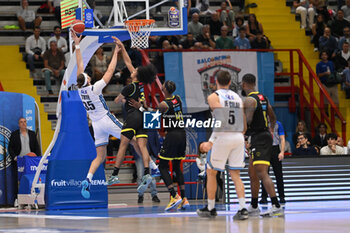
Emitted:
<point x="89" y="176"/>
<point x="241" y="202"/>
<point x="152" y="164"/>
<point x="211" y="204"/>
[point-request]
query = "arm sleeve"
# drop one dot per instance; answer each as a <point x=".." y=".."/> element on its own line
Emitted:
<point x="43" y="45"/>
<point x="32" y="16"/>
<point x="11" y="147"/>
<point x="48" y="42"/>
<point x="318" y="68"/>
<point x="28" y="49"/>
<point x="98" y="86"/>
<point x="280" y="128"/>
<point x="64" y="41"/>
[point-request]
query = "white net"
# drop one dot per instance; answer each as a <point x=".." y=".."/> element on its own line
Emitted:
<point x="139" y="31"/>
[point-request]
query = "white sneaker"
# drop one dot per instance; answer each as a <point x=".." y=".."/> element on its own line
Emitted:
<point x="253" y="211"/>
<point x="273" y="211"/>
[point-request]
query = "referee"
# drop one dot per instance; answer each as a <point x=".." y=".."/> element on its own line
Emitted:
<point x="278" y="148"/>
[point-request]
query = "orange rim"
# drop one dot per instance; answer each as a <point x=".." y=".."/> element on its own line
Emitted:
<point x="135" y="24"/>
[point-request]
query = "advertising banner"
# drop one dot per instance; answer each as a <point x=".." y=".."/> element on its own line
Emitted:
<point x="12" y="107"/>
<point x="194" y="73"/>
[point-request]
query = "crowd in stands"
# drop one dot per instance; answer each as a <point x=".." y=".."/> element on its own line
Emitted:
<point x="207" y="29"/>
<point x="322" y="143"/>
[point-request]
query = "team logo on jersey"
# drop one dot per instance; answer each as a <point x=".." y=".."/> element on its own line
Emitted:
<point x="174" y="101"/>
<point x="151" y="120"/>
<point x="261" y="97"/>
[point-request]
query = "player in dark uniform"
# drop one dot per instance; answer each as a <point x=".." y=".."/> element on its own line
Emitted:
<point x="174" y="146"/>
<point x="259" y="112"/>
<point x="134" y="120"/>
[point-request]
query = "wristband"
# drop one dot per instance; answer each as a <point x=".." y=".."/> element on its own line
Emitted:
<point x="141" y="109"/>
<point x="77" y="47"/>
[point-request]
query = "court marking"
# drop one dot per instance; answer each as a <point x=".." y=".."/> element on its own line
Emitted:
<point x="64" y="217"/>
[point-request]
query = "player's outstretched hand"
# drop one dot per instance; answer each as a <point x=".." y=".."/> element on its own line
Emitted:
<point x="118" y="42"/>
<point x="75" y="37"/>
<point x="134" y="103"/>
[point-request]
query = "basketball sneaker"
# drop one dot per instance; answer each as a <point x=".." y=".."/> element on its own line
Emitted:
<point x="253" y="211"/>
<point x="241" y="214"/>
<point x="184" y="204"/>
<point x="145" y="181"/>
<point x="85" y="189"/>
<point x="113" y="180"/>
<point x="155" y="172"/>
<point x="205" y="213"/>
<point x="273" y="211"/>
<point x="174" y="202"/>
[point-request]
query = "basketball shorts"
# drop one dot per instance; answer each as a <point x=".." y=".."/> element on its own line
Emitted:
<point x="107" y="125"/>
<point x="261" y="148"/>
<point x="133" y="126"/>
<point x="227" y="148"/>
<point x="174" y="145"/>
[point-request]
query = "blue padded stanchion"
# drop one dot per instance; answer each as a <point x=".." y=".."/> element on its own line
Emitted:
<point x="70" y="160"/>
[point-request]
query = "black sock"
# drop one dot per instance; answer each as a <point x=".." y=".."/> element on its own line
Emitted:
<point x="254" y="202"/>
<point x="172" y="192"/>
<point x="146" y="171"/>
<point x="182" y="191"/>
<point x="275" y="202"/>
<point x="115" y="171"/>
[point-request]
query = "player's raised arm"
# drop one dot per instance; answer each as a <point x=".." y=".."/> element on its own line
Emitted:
<point x="80" y="63"/>
<point x="111" y="67"/>
<point x="119" y="98"/>
<point x="126" y="57"/>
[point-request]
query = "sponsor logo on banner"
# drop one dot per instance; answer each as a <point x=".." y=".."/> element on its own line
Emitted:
<point x="74" y="183"/>
<point x="89" y="18"/>
<point x="173" y="17"/>
<point x="210" y="67"/>
<point x="5" y="134"/>
<point x="151" y="120"/>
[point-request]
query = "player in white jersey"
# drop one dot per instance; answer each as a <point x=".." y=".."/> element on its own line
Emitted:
<point x="226" y="144"/>
<point x="103" y="122"/>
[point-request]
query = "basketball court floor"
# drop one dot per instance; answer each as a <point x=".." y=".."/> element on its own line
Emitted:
<point x="330" y="216"/>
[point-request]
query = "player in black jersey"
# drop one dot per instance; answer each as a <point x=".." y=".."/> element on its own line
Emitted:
<point x="134" y="120"/>
<point x="259" y="113"/>
<point x="174" y="146"/>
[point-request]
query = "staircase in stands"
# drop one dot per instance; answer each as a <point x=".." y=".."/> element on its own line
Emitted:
<point x="284" y="32"/>
<point x="15" y="78"/>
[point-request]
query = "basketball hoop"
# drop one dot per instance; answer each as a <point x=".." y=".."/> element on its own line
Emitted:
<point x="139" y="31"/>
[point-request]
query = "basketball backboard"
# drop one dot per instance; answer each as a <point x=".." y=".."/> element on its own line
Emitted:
<point x="170" y="17"/>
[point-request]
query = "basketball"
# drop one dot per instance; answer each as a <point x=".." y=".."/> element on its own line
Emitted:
<point x="78" y="26"/>
<point x="31" y="154"/>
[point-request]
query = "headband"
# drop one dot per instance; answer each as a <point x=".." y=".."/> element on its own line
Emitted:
<point x="85" y="79"/>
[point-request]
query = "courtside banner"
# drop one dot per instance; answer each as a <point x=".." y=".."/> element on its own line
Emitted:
<point x="194" y="73"/>
<point x="68" y="8"/>
<point x="12" y="107"/>
<point x="29" y="165"/>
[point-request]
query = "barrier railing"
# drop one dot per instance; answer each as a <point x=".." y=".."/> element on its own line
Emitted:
<point x="170" y="168"/>
<point x="303" y="81"/>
